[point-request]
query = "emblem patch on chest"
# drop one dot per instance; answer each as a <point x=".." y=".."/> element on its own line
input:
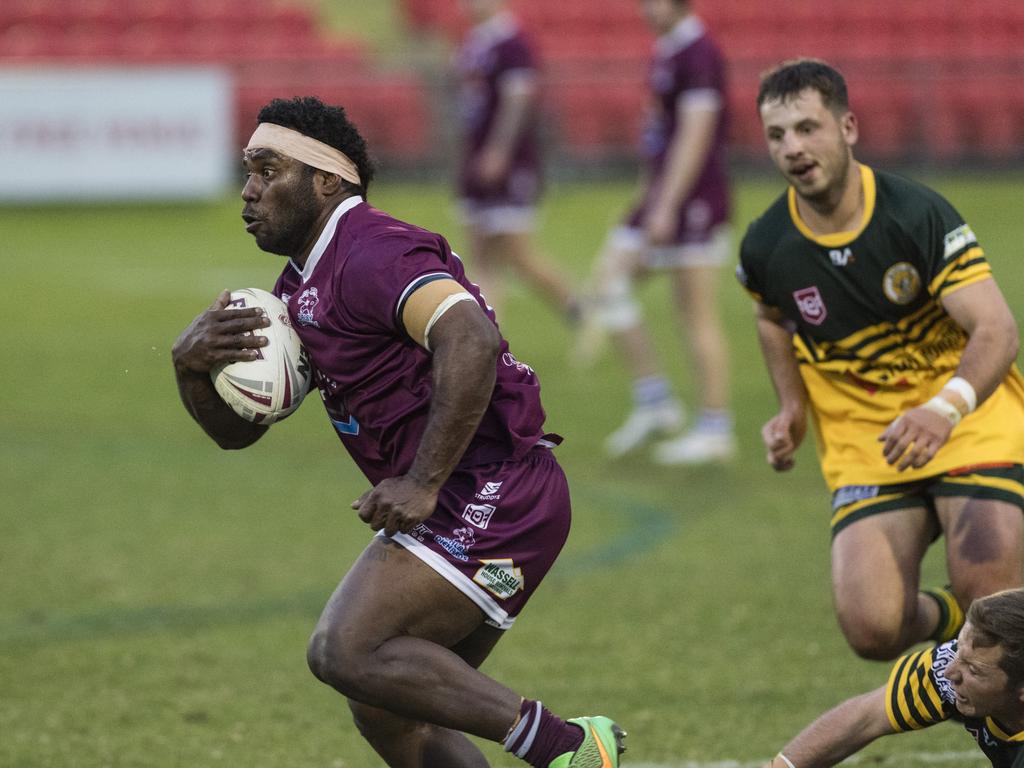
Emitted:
<point x="811" y="305"/>
<point x="901" y="283"/>
<point x="307" y="303"/>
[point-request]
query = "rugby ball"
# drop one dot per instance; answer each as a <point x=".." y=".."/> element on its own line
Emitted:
<point x="270" y="387"/>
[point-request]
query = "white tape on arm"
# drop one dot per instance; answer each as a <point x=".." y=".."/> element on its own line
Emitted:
<point x="963" y="388"/>
<point x="944" y="408"/>
<point x="449" y="302"/>
<point x="786" y="760"/>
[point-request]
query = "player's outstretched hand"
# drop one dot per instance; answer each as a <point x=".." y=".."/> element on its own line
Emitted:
<point x="782" y="435"/>
<point x="396" y="504"/>
<point x="219" y="335"/>
<point x="914" y="438"/>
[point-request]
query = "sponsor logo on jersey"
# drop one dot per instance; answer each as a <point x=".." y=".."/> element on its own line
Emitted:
<point x="841" y="257"/>
<point x="509" y="360"/>
<point x="344" y="422"/>
<point x="478" y="514"/>
<point x="308" y="300"/>
<point x="489" y="492"/>
<point x="347" y="426"/>
<point x="811" y="305"/>
<point x="500" y="577"/>
<point x="944" y="655"/>
<point x="957" y="240"/>
<point x="851" y="493"/>
<point x="901" y="283"/>
<point x="459" y="544"/>
<point x="741" y="276"/>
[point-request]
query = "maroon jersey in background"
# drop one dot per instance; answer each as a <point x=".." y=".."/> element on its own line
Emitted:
<point x="687" y="65"/>
<point x="346" y="306"/>
<point x="493" y="51"/>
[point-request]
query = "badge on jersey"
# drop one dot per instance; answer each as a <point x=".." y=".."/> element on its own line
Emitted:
<point x="811" y="305"/>
<point x="901" y="283"/>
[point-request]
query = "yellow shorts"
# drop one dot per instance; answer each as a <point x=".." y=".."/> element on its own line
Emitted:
<point x="1002" y="482"/>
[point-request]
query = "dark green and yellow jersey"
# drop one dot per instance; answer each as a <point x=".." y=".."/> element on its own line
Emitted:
<point x="919" y="695"/>
<point x="871" y="334"/>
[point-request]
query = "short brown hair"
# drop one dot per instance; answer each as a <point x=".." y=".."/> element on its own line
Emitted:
<point x="790" y="78"/>
<point x="999" y="620"/>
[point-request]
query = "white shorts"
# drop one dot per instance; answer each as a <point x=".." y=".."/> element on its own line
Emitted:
<point x="502" y="219"/>
<point x="714" y="252"/>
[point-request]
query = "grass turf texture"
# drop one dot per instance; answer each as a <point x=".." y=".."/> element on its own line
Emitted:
<point x="158" y="592"/>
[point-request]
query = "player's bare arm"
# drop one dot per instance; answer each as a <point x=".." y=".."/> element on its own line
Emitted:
<point x="687" y="156"/>
<point x="518" y="94"/>
<point x="783" y="433"/>
<point x="464" y="343"/>
<point x="837" y="734"/>
<point x="915" y="437"/>
<point x="217" y="335"/>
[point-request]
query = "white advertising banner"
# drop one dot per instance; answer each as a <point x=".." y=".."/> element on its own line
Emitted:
<point x="109" y="134"/>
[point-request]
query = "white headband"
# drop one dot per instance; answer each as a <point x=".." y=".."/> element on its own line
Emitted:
<point x="308" y="150"/>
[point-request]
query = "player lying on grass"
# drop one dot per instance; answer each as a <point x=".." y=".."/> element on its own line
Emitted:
<point x="976" y="680"/>
<point x="471" y="506"/>
<point x="877" y="311"/>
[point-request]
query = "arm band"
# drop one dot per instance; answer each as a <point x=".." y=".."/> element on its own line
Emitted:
<point x="963" y="388"/>
<point x="443" y="307"/>
<point x="786" y="760"/>
<point x="944" y="408"/>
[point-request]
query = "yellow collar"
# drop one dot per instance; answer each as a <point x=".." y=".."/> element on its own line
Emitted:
<point x="839" y="239"/>
<point x="1002" y="735"/>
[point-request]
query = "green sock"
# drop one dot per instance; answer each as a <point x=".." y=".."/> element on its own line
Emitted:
<point x="951" y="615"/>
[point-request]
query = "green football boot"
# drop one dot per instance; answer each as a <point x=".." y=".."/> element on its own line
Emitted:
<point x="601" y="747"/>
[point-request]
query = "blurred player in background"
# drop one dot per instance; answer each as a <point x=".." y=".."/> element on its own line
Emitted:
<point x="471" y="505"/>
<point x="976" y="680"/>
<point x="680" y="226"/>
<point x="877" y="308"/>
<point x="500" y="178"/>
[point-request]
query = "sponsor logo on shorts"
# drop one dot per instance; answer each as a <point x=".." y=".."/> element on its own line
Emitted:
<point x="500" y="577"/>
<point x="811" y="305"/>
<point x="421" y="532"/>
<point x="459" y="544"/>
<point x="489" y="492"/>
<point x="851" y="493"/>
<point x="957" y="240"/>
<point x="478" y="514"/>
<point x="901" y="283"/>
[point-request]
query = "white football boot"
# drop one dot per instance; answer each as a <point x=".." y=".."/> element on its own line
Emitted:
<point x="644" y="424"/>
<point x="696" y="447"/>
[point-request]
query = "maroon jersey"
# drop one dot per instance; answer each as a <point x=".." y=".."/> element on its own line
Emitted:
<point x="688" y="66"/>
<point x="346" y="305"/>
<point x="493" y="51"/>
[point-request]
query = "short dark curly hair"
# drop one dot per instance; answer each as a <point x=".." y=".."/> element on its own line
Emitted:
<point x="329" y="124"/>
<point x="790" y="78"/>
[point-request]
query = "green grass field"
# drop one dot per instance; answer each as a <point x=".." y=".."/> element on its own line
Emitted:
<point x="157" y="593"/>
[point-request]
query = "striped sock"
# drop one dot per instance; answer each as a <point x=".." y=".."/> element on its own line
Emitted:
<point x="951" y="615"/>
<point x="539" y="736"/>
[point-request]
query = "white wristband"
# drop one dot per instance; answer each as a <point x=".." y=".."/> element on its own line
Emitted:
<point x="945" y="409"/>
<point x="786" y="760"/>
<point x="963" y="387"/>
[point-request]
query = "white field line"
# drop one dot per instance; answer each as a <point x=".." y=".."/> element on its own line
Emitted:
<point x="920" y="758"/>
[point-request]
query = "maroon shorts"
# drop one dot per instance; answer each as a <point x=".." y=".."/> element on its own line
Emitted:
<point x="496" y="531"/>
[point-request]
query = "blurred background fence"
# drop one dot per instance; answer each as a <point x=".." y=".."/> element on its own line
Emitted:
<point x="934" y="81"/>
